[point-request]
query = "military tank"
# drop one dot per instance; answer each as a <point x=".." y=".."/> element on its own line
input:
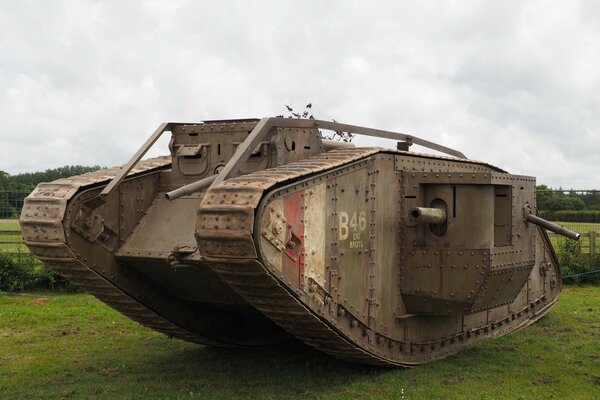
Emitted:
<point x="253" y="230"/>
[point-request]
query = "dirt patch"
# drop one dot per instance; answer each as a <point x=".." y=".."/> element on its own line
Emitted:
<point x="453" y="380"/>
<point x="545" y="379"/>
<point x="40" y="300"/>
<point x="65" y="332"/>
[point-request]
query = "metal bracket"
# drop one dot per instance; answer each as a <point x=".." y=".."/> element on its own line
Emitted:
<point x="97" y="201"/>
<point x="174" y="258"/>
<point x="275" y="230"/>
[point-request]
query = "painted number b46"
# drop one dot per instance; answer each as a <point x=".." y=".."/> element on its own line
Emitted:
<point x="357" y="222"/>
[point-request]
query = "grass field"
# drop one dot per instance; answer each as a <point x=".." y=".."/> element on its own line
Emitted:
<point x="9" y="225"/>
<point x="11" y="243"/>
<point x="579" y="227"/>
<point x="75" y="347"/>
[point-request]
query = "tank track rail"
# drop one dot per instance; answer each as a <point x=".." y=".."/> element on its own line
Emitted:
<point x="231" y="255"/>
<point x="42" y="228"/>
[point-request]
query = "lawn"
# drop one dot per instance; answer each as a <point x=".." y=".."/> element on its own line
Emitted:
<point x="579" y="227"/>
<point x="73" y="346"/>
<point x="11" y="243"/>
<point x="9" y="225"/>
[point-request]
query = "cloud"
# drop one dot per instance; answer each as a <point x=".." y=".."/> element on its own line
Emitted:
<point x="511" y="83"/>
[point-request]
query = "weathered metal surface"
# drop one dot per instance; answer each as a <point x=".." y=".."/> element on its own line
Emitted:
<point x="42" y="228"/>
<point x="368" y="309"/>
<point x="265" y="125"/>
<point x="378" y="256"/>
<point x="190" y="188"/>
<point x="53" y="222"/>
<point x="430" y="215"/>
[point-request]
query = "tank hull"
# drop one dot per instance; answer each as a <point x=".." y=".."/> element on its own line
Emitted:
<point x="335" y="260"/>
<point x="295" y="238"/>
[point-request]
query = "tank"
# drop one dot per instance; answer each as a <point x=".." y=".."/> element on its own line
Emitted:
<point x="253" y="231"/>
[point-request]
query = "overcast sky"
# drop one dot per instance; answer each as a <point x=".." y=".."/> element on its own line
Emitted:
<point x="513" y="83"/>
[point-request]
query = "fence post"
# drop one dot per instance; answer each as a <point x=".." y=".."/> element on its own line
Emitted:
<point x="592" y="242"/>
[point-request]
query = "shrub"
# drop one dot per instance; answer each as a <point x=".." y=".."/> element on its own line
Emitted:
<point x="23" y="273"/>
<point x="15" y="273"/>
<point x="573" y="262"/>
<point x="571" y="215"/>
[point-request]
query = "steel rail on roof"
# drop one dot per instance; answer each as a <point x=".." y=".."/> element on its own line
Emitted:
<point x="266" y="124"/>
<point x="261" y="129"/>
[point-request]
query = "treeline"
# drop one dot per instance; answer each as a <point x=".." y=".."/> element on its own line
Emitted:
<point x="551" y="200"/>
<point x="29" y="180"/>
<point x="14" y="188"/>
<point x="568" y="205"/>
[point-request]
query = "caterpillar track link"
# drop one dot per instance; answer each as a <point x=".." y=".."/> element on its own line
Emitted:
<point x="255" y="230"/>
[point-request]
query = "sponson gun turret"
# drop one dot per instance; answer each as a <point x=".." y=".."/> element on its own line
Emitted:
<point x="252" y="231"/>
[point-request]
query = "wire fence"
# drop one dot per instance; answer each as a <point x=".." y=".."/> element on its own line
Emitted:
<point x="11" y="241"/>
<point x="11" y="202"/>
<point x="589" y="240"/>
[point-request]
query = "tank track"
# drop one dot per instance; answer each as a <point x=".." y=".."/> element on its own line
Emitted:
<point x="264" y="292"/>
<point x="43" y="233"/>
<point x="232" y="256"/>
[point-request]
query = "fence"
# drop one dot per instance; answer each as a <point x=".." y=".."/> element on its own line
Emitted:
<point x="589" y="240"/>
<point x="11" y="202"/>
<point x="11" y="241"/>
<point x="558" y="199"/>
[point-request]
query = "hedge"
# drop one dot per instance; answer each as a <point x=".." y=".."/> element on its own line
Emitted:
<point x="574" y="262"/>
<point x="571" y="215"/>
<point x="23" y="273"/>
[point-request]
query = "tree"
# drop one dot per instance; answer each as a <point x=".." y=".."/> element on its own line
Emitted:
<point x="14" y="188"/>
<point x="547" y="199"/>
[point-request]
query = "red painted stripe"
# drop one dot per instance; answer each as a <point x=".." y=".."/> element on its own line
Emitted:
<point x="293" y="256"/>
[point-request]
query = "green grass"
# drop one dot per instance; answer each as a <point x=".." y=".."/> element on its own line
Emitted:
<point x="579" y="227"/>
<point x="75" y="347"/>
<point x="7" y="242"/>
<point x="13" y="248"/>
<point x="9" y="225"/>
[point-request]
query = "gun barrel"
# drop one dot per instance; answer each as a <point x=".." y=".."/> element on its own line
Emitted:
<point x="552" y="227"/>
<point x="426" y="215"/>
<point x="190" y="188"/>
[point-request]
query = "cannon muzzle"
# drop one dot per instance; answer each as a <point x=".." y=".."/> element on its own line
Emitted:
<point x="426" y="215"/>
<point x="534" y="219"/>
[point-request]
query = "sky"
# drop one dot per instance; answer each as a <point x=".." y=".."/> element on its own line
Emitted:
<point x="512" y="83"/>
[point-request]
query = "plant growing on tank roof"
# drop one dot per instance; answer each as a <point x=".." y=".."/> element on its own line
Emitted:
<point x="307" y="114"/>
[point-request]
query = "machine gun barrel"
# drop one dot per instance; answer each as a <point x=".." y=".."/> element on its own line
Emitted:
<point x="552" y="227"/>
<point x="425" y="215"/>
<point x="190" y="188"/>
